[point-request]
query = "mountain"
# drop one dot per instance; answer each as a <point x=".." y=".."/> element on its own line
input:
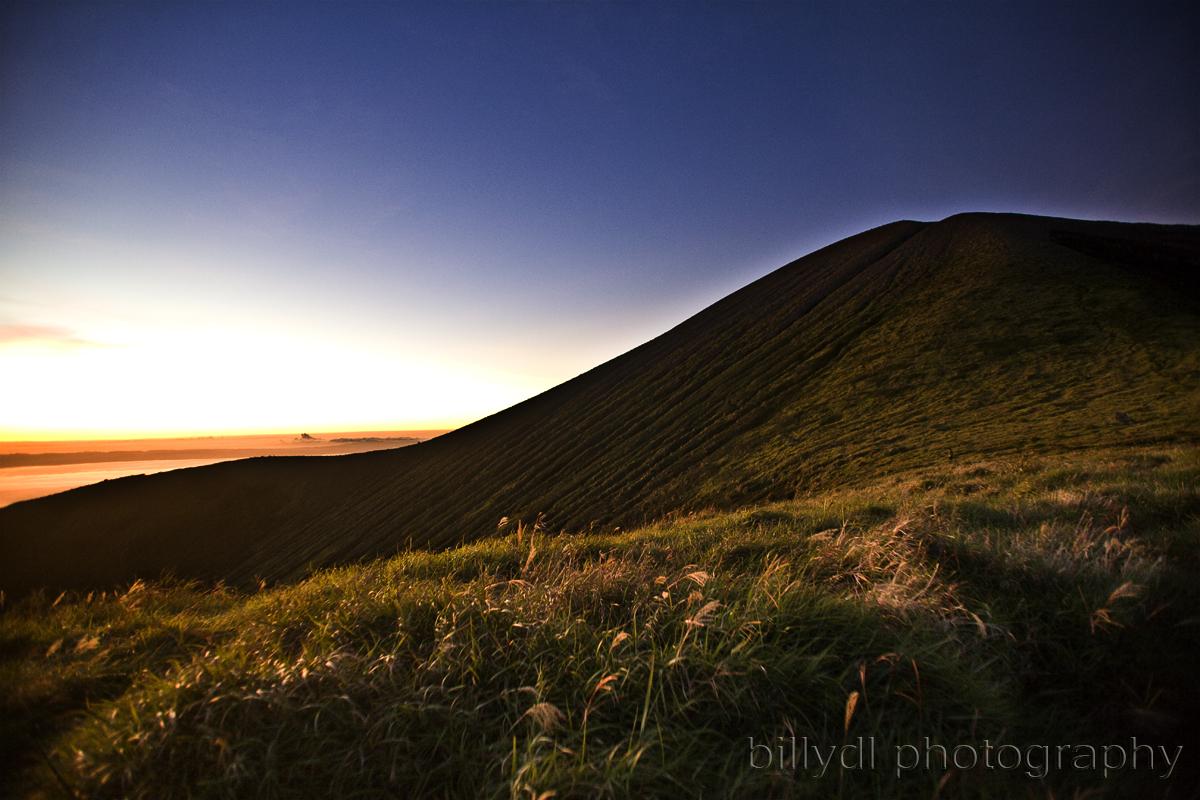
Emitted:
<point x="907" y="345"/>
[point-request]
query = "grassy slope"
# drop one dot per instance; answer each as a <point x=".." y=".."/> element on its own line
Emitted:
<point x="903" y="346"/>
<point x="1021" y="600"/>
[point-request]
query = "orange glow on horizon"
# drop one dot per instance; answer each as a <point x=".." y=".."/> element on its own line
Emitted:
<point x="178" y="382"/>
<point x="109" y="436"/>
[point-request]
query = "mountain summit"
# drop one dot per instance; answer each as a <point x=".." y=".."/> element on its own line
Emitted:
<point x="909" y="344"/>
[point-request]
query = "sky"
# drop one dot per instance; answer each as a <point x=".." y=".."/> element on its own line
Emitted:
<point x="243" y="217"/>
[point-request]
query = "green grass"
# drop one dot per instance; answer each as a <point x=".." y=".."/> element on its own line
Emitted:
<point x="1024" y="600"/>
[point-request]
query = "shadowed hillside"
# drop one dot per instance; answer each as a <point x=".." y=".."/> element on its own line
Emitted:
<point x="908" y="345"/>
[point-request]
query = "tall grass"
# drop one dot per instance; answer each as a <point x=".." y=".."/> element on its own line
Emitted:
<point x="1019" y="601"/>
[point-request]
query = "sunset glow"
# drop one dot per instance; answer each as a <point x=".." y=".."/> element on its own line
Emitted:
<point x="223" y="219"/>
<point x="589" y="399"/>
<point x="174" y="380"/>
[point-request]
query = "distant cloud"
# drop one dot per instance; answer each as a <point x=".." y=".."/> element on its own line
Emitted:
<point x="54" y="335"/>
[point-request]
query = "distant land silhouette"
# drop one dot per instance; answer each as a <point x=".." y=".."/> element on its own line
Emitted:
<point x="911" y="344"/>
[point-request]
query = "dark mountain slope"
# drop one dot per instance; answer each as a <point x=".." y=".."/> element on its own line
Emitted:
<point x="908" y="344"/>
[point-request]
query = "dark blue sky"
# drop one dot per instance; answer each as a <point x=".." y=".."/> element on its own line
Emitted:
<point x="531" y="188"/>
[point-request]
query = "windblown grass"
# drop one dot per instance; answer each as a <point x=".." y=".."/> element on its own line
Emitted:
<point x="1022" y="601"/>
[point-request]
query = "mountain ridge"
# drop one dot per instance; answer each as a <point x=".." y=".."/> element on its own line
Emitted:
<point x="980" y="334"/>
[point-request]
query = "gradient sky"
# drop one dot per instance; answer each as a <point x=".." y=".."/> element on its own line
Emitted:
<point x="247" y="217"/>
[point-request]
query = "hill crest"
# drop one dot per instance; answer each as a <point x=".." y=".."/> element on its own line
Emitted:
<point x="980" y="335"/>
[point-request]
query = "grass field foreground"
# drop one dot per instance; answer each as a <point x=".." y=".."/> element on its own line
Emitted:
<point x="1026" y="601"/>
